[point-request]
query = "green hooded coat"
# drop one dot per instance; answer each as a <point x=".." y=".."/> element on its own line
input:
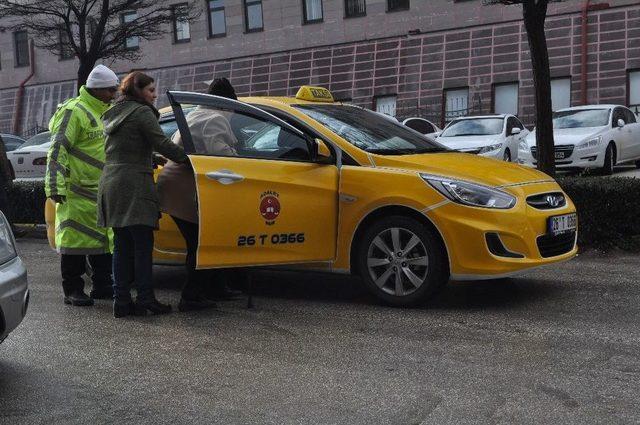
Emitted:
<point x="74" y="165"/>
<point x="127" y="193"/>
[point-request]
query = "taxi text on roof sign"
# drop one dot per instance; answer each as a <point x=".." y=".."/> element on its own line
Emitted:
<point x="314" y="94"/>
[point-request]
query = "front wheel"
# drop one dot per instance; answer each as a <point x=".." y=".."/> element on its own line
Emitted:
<point x="609" y="160"/>
<point x="507" y="155"/>
<point x="401" y="261"/>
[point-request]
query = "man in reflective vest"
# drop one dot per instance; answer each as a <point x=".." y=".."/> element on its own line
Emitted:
<point x="74" y="166"/>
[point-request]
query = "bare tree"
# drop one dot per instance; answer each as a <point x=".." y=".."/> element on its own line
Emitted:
<point x="94" y="29"/>
<point x="534" y="15"/>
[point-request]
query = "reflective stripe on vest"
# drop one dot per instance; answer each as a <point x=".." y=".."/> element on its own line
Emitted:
<point x="83" y="229"/>
<point x="54" y="166"/>
<point x="85" y="193"/>
<point x="72" y="150"/>
<point x="89" y="114"/>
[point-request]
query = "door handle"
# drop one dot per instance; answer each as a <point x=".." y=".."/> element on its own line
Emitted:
<point x="224" y="176"/>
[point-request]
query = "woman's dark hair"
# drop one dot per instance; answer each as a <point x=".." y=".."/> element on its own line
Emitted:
<point x="133" y="84"/>
<point x="223" y="88"/>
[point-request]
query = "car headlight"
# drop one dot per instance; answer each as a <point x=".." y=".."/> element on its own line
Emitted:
<point x="472" y="194"/>
<point x="523" y="146"/>
<point x="490" y="148"/>
<point x="591" y="143"/>
<point x="7" y="243"/>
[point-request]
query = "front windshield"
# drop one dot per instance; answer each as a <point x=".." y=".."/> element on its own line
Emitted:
<point x="474" y="127"/>
<point x="370" y="131"/>
<point x="581" y="118"/>
<point x="37" y="140"/>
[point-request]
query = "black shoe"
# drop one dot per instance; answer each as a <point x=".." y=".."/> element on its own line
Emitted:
<point x="154" y="306"/>
<point x="78" y="299"/>
<point x="102" y="293"/>
<point x="127" y="309"/>
<point x="192" y="305"/>
<point x="224" y="293"/>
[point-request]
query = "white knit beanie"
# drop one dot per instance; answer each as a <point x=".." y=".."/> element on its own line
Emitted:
<point x="102" y="77"/>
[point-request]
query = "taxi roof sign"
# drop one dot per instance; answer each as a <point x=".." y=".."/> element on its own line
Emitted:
<point x="314" y="94"/>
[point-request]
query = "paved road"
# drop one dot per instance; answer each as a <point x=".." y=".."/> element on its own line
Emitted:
<point x="560" y="345"/>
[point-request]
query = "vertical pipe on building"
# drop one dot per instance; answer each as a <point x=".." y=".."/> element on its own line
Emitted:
<point x="583" y="69"/>
<point x="17" y="113"/>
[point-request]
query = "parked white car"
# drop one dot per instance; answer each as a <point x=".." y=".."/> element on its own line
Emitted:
<point x="422" y="126"/>
<point x="14" y="292"/>
<point x="593" y="136"/>
<point x="29" y="161"/>
<point x="495" y="136"/>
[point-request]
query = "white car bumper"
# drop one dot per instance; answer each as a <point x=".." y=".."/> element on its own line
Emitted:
<point x="570" y="158"/>
<point x="14" y="295"/>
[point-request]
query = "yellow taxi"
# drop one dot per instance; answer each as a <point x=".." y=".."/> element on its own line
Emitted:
<point x="332" y="186"/>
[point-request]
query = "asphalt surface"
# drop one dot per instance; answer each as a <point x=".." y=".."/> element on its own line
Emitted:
<point x="559" y="345"/>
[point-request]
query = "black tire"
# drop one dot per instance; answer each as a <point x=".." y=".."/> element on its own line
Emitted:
<point x="433" y="276"/>
<point x="609" y="160"/>
<point x="507" y="155"/>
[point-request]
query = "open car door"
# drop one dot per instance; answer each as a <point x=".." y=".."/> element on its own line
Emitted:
<point x="264" y="202"/>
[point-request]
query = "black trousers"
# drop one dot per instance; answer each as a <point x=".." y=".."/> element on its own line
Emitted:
<point x="133" y="263"/>
<point x="199" y="282"/>
<point x="74" y="266"/>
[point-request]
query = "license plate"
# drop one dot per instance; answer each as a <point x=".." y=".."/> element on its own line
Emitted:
<point x="562" y="223"/>
<point x="559" y="155"/>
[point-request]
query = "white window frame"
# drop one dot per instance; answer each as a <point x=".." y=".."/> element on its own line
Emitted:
<point x="505" y="98"/>
<point x="560" y="93"/>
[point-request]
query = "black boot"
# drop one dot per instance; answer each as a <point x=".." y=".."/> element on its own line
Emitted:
<point x="153" y="305"/>
<point x="127" y="309"/>
<point x="78" y="299"/>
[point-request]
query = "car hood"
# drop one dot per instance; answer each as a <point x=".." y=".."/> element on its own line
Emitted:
<point x="469" y="142"/>
<point x="569" y="136"/>
<point x="463" y="166"/>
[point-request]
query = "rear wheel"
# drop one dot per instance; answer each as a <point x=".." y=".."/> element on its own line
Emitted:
<point x="401" y="261"/>
<point x="609" y="160"/>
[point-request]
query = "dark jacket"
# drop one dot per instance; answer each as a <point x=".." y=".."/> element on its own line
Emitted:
<point x="127" y="193"/>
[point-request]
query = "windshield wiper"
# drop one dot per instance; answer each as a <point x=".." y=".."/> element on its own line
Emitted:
<point x="406" y="151"/>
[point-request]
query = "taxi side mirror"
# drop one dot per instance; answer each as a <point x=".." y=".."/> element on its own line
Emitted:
<point x="323" y="153"/>
<point x="621" y="123"/>
<point x="515" y="130"/>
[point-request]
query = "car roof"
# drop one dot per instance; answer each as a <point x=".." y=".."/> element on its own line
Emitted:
<point x="578" y="108"/>
<point x="474" y="117"/>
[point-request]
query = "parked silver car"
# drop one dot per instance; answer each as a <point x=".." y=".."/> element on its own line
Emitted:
<point x="14" y="292"/>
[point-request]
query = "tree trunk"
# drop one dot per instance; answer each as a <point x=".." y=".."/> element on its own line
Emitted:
<point x="534" y="18"/>
<point x="86" y="65"/>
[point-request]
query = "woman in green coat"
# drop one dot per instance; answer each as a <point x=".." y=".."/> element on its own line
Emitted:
<point x="127" y="199"/>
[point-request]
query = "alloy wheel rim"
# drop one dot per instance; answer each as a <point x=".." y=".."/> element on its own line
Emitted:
<point x="397" y="261"/>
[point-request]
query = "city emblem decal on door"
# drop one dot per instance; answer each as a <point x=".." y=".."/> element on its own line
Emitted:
<point x="269" y="207"/>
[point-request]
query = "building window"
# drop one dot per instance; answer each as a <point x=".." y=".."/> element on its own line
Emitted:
<point x="386" y="105"/>
<point x="560" y="93"/>
<point x="456" y="103"/>
<point x="66" y="51"/>
<point x="253" y="15"/>
<point x="634" y="91"/>
<point x="396" y="5"/>
<point x="217" y="21"/>
<point x="21" y="47"/>
<point x="181" y="29"/>
<point x="505" y="98"/>
<point x="131" y="43"/>
<point x="312" y="10"/>
<point x="355" y="8"/>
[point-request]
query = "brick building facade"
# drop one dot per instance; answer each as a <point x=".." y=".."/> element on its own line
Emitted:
<point x="437" y="59"/>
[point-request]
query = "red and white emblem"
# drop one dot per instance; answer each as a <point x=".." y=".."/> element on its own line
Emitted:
<point x="270" y="207"/>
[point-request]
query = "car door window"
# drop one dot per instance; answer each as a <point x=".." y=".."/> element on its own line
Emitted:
<point x="517" y="123"/>
<point x="511" y="123"/>
<point x="630" y="118"/>
<point x="420" y="125"/>
<point x="618" y="114"/>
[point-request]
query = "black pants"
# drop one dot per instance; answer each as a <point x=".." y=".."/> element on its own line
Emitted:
<point x="133" y="262"/>
<point x="74" y="266"/>
<point x="199" y="282"/>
